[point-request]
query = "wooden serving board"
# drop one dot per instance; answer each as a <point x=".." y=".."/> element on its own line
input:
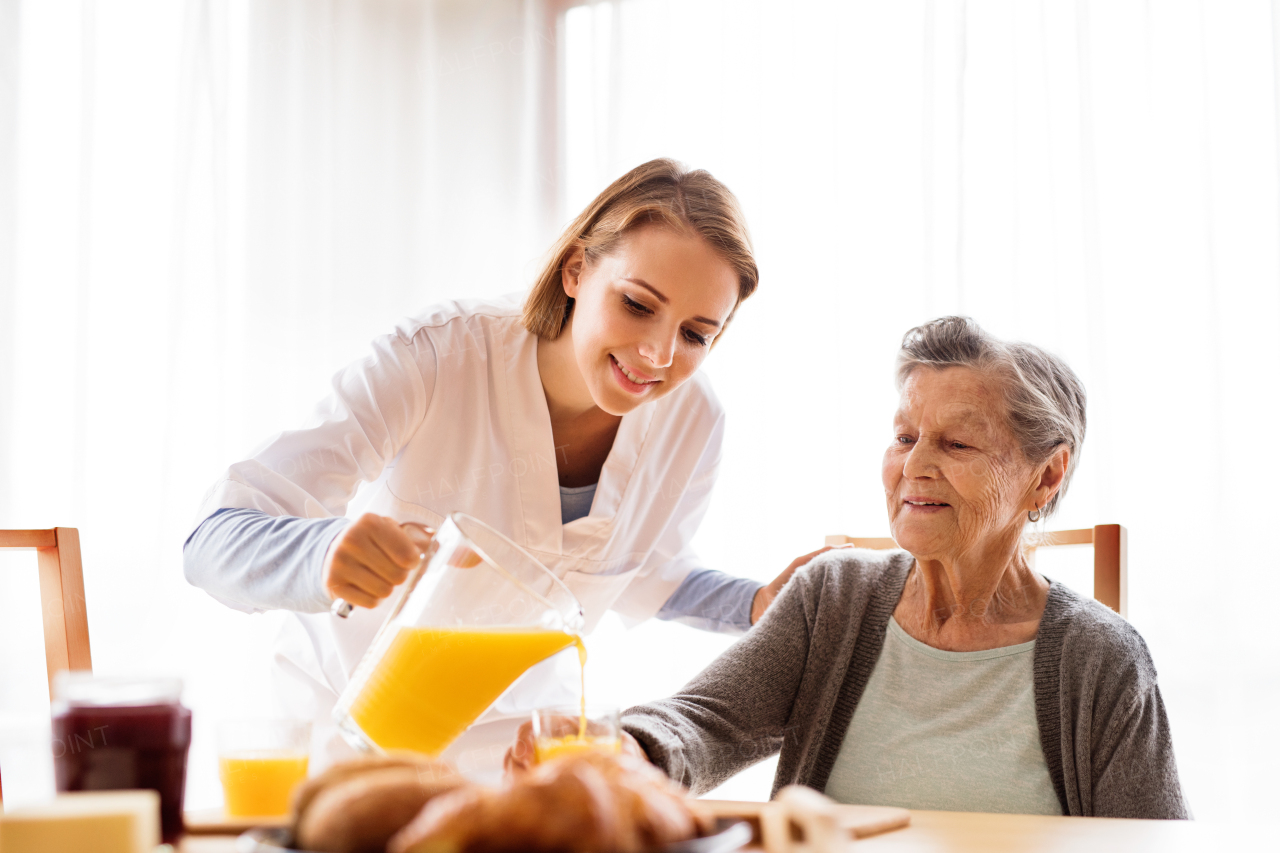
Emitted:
<point x="215" y="822"/>
<point x="859" y="821"/>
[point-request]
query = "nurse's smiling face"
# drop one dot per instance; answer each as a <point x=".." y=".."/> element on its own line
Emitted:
<point x="644" y="316"/>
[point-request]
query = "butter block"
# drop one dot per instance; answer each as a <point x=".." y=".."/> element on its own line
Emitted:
<point x="97" y="821"/>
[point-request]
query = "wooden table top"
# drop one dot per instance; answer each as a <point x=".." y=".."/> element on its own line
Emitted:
<point x="970" y="832"/>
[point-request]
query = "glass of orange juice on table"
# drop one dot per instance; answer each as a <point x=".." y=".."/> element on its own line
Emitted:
<point x="571" y="729"/>
<point x="466" y="626"/>
<point x="261" y="762"/>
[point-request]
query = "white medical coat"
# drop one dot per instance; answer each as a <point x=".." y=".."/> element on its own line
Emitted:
<point x="448" y="414"/>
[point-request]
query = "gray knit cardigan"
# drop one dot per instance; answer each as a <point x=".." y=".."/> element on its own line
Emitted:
<point x="793" y="681"/>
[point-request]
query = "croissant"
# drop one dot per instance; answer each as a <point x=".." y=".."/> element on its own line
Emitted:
<point x="356" y="806"/>
<point x="577" y="804"/>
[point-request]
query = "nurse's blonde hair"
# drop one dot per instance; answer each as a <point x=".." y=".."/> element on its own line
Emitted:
<point x="660" y="192"/>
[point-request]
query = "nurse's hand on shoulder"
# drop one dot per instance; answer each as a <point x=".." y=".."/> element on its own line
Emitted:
<point x="766" y="594"/>
<point x="373" y="556"/>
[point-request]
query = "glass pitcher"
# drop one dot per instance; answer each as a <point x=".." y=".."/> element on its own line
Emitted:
<point x="467" y="625"/>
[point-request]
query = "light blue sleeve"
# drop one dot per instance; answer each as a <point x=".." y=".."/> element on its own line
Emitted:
<point x="253" y="562"/>
<point x="712" y="601"/>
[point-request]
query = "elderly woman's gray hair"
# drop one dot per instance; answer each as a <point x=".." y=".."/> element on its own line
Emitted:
<point x="1045" y="399"/>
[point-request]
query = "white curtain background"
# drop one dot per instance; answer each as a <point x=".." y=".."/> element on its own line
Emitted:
<point x="219" y="204"/>
<point x="207" y="209"/>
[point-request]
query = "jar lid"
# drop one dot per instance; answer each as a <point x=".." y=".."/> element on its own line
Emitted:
<point x="81" y="689"/>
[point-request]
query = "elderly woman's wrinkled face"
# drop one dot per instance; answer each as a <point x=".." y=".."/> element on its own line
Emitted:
<point x="954" y="477"/>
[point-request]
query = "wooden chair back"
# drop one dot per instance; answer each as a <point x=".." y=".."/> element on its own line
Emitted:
<point x="66" y="622"/>
<point x="1110" y="557"/>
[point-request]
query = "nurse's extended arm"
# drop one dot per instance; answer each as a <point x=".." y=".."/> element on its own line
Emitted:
<point x="291" y="496"/>
<point x="273" y="563"/>
<point x="252" y="561"/>
<point x="715" y="601"/>
<point x="712" y="601"/>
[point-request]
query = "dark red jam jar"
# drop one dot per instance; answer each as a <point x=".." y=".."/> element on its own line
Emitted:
<point x="114" y="734"/>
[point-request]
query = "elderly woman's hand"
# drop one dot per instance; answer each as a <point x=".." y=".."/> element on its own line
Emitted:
<point x="766" y="594"/>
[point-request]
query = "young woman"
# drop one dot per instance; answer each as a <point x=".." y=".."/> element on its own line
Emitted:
<point x="576" y="424"/>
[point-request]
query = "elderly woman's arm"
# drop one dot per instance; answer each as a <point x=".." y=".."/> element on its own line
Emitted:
<point x="1117" y="756"/>
<point x="1135" y="774"/>
<point x="735" y="712"/>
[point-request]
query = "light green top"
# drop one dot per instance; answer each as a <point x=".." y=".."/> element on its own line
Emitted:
<point x="954" y="731"/>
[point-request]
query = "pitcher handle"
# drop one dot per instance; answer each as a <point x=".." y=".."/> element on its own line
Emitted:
<point x="342" y="608"/>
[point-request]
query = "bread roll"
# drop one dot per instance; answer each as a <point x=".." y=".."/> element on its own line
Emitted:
<point x="577" y="804"/>
<point x="346" y="769"/>
<point x="356" y="806"/>
<point x="658" y="815"/>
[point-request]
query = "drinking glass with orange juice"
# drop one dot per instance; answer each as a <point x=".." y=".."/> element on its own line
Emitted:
<point x="571" y="730"/>
<point x="261" y="762"/>
<point x="466" y="626"/>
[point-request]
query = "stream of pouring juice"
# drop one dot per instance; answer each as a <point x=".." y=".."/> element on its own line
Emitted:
<point x="548" y="747"/>
<point x="434" y="682"/>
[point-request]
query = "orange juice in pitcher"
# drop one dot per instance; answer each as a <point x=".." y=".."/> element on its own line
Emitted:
<point x="481" y="613"/>
<point x="434" y="682"/>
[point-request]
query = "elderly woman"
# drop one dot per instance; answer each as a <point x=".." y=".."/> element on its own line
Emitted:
<point x="947" y="675"/>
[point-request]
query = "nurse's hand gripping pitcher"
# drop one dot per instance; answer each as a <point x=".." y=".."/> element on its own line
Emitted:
<point x="468" y="624"/>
